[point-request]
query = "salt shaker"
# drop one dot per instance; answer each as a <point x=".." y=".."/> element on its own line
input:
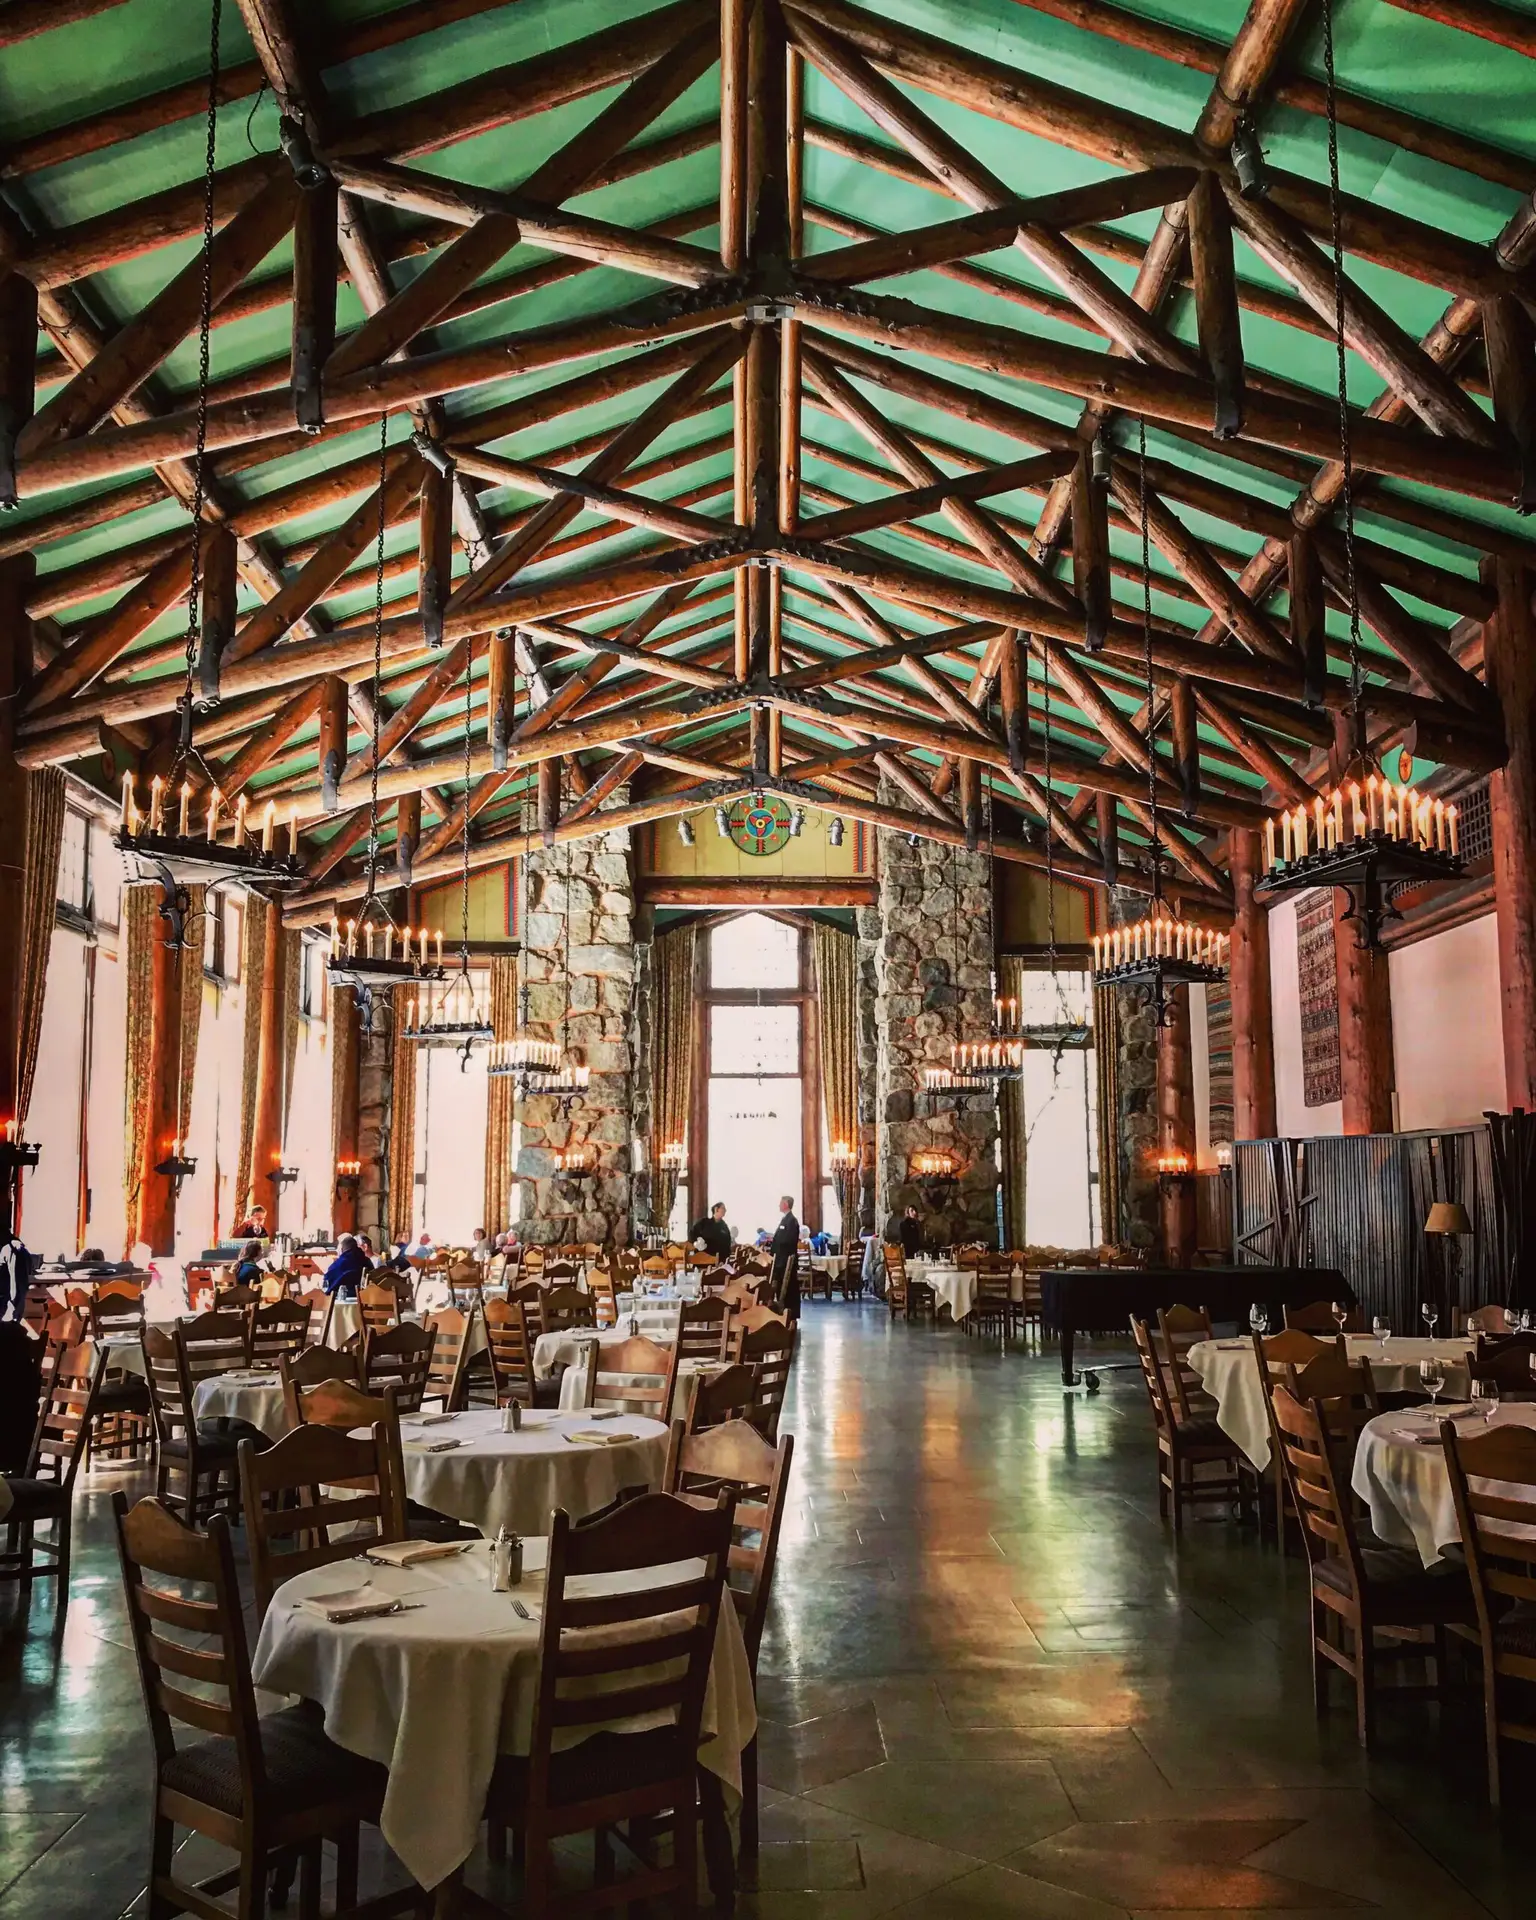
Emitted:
<point x="515" y="1559"/>
<point x="501" y="1561"/>
<point x="512" y="1417"/>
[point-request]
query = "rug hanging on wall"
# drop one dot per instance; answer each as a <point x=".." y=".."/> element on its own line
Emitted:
<point x="1319" y="990"/>
<point x="1218" y="1038"/>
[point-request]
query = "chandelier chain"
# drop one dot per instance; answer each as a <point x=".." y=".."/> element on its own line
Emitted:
<point x="1346" y="451"/>
<point x="378" y="667"/>
<point x="1146" y="647"/>
<point x="205" y="328"/>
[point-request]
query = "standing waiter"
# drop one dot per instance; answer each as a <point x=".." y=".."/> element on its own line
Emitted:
<point x="785" y="1249"/>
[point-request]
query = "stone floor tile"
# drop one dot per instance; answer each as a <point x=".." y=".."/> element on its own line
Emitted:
<point x="985" y="1808"/>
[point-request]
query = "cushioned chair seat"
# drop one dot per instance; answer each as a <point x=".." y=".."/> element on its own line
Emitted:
<point x="607" y="1763"/>
<point x="1203" y="1433"/>
<point x="35" y="1499"/>
<point x="304" y="1768"/>
<point x="127" y="1395"/>
<point x="1395" y="1570"/>
<point x="212" y="1444"/>
<point x="1517" y="1637"/>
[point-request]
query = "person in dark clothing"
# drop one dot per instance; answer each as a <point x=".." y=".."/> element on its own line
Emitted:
<point x="785" y="1249"/>
<point x="909" y="1233"/>
<point x="712" y="1232"/>
<point x="346" y="1271"/>
<point x="253" y="1226"/>
<point x="250" y="1272"/>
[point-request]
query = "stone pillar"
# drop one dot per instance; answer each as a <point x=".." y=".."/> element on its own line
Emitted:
<point x="868" y="919"/>
<point x="375" y="1089"/>
<point x="591" y="881"/>
<point x="267" y="1128"/>
<point x="1176" y="1131"/>
<point x="344" y="1206"/>
<point x="157" y="1191"/>
<point x="1253" y="1028"/>
<point x="15" y="670"/>
<point x="933" y="961"/>
<point x="1365" y="1028"/>
<point x="1510" y="651"/>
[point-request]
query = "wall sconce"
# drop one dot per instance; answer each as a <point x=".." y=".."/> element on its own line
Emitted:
<point x="349" y="1178"/>
<point x="933" y="1169"/>
<point x="15" y="1152"/>
<point x="178" y="1168"/>
<point x="1174" y="1168"/>
<point x="283" y="1177"/>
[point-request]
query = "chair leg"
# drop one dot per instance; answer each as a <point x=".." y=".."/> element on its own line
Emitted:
<point x="1491" y="1732"/>
<point x="749" y="1807"/>
<point x="685" y="1857"/>
<point x="346" y="1869"/>
<point x="162" y="1851"/>
<point x="1177" y="1476"/>
<point x="1320" y="1663"/>
<point x="309" y="1882"/>
<point x="63" y="1536"/>
<point x="1365" y="1683"/>
<point x="252" y="1903"/>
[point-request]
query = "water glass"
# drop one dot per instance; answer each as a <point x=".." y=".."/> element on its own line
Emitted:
<point x="1340" y="1313"/>
<point x="1382" y="1328"/>
<point x="1431" y="1315"/>
<point x="1258" y="1319"/>
<point x="1485" y="1394"/>
<point x="1432" y="1379"/>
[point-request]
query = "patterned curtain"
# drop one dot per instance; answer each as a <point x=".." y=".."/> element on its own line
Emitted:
<point x="140" y="921"/>
<point x="499" y="1102"/>
<point x="1106" y="1058"/>
<point x="190" y="1003"/>
<point x="837" y="1021"/>
<point x="402" y="1126"/>
<point x="253" y="969"/>
<point x="39" y="897"/>
<point x="293" y="960"/>
<point x="671" y="1058"/>
<point x="1012" y="1128"/>
<point x="343" y="1031"/>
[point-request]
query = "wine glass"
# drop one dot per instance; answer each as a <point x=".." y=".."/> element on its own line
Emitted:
<point x="1340" y="1312"/>
<point x="1485" y="1394"/>
<point x="1382" y="1328"/>
<point x="1258" y="1319"/>
<point x="1431" y="1314"/>
<point x="1432" y="1380"/>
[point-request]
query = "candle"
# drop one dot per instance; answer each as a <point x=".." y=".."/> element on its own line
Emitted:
<point x="1096" y="961"/>
<point x="1301" y="833"/>
<point x="1289" y="834"/>
<point x="268" y="822"/>
<point x="335" y="936"/>
<point x="125" y="819"/>
<point x="405" y="947"/>
<point x="1372" y="818"/>
<point x="213" y="815"/>
<point x="439" y="943"/>
<point x="1269" y="843"/>
<point x="1338" y="816"/>
<point x="240" y="821"/>
<point x="1357" y="812"/>
<point x="351" y="939"/>
<point x="293" y="831"/>
<point x="389" y="941"/>
<point x="1319" y="814"/>
<point x="368" y="940"/>
<point x="156" y="815"/>
<point x="183" y="819"/>
<point x="1450" y="822"/>
<point x="1440" y="826"/>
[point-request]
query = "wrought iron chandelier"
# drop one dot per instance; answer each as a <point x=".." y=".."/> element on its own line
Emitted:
<point x="539" y="1067"/>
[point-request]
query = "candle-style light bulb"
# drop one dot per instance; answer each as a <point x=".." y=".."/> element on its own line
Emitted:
<point x="240" y="821"/>
<point x="293" y="831"/>
<point x="184" y="814"/>
<point x="125" y="817"/>
<point x="335" y="937"/>
<point x="439" y="943"/>
<point x="156" y="804"/>
<point x="351" y="939"/>
<point x="268" y="823"/>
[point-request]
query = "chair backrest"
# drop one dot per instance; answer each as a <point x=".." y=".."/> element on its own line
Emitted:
<point x="214" y="1342"/>
<point x="510" y="1342"/>
<point x="715" y="1398"/>
<point x="343" y="1404"/>
<point x="308" y="1369"/>
<point x="378" y="1308"/>
<point x="1179" y="1329"/>
<point x="1494" y="1319"/>
<point x="1510" y="1363"/>
<point x="187" y="1625"/>
<point x="656" y="1266"/>
<point x="533" y="1259"/>
<point x="736" y="1455"/>
<point x="317" y="1303"/>
<point x="64" y="1413"/>
<point x="1493" y="1483"/>
<point x="399" y="1357"/>
<point x="236" y="1298"/>
<point x="1342" y="1391"/>
<point x="288" y="1493"/>
<point x="529" y="1295"/>
<point x="652" y="1395"/>
<point x="771" y="1351"/>
<point x="627" y="1260"/>
<point x="654" y="1652"/>
<point x="1318" y="1317"/>
<point x="565" y="1307"/>
<point x="170" y="1392"/>
<point x="751" y="1319"/>
<point x="116" y="1313"/>
<point x="703" y="1327"/>
<point x="1153" y="1375"/>
<point x="600" y="1285"/>
<point x="1308" y="1464"/>
<point x="120" y="1289"/>
<point x="278" y="1329"/>
<point x="1294" y="1347"/>
<point x="450" y="1355"/>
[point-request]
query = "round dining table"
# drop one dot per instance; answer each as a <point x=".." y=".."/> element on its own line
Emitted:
<point x="1229" y="1372"/>
<point x="253" y="1395"/>
<point x="1401" y="1475"/>
<point x="955" y="1287"/>
<point x="466" y="1467"/>
<point x="435" y="1691"/>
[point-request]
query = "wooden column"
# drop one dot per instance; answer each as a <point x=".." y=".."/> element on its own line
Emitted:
<point x="157" y="1191"/>
<point x="15" y="670"/>
<point x="349" y="1034"/>
<point x="267" y="1130"/>
<point x="1365" y="1028"/>
<point x="1253" y="1032"/>
<point x="1509" y="640"/>
<point x="1176" y="1130"/>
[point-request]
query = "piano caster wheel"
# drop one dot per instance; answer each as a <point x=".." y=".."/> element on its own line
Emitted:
<point x="1090" y="1380"/>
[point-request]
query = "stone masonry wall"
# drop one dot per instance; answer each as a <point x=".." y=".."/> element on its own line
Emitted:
<point x="932" y="957"/>
<point x="373" y="1104"/>
<point x="592" y="881"/>
<point x="1136" y="1128"/>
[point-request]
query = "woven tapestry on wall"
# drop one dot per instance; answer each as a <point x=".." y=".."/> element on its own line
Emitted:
<point x="1218" y="1036"/>
<point x="1319" y="992"/>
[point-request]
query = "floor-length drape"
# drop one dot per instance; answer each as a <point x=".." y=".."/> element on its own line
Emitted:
<point x="190" y="1006"/>
<point x="253" y="973"/>
<point x="837" y="1021"/>
<point x="343" y="1064"/>
<point x="39" y="896"/>
<point x="1106" y="1059"/>
<point x="671" y="1059"/>
<point x="141" y="920"/>
<point x="293" y="960"/>
<point x="1013" y="1130"/>
<point x="499" y="1103"/>
<point x="402" y="1126"/>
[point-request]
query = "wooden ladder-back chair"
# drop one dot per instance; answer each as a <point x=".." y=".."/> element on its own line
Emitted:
<point x="258" y="1784"/>
<point x="1361" y="1590"/>
<point x="44" y="1494"/>
<point x="771" y="1351"/>
<point x="308" y="1369"/>
<point x="203" y="1459"/>
<point x="567" y="1307"/>
<point x="649" y="1394"/>
<point x="1186" y="1445"/>
<point x="1275" y="1354"/>
<point x="317" y="1303"/>
<point x="378" y="1308"/>
<point x="994" y="1306"/>
<point x="510" y="1341"/>
<point x="904" y="1295"/>
<point x="314" y="1479"/>
<point x="703" y="1328"/>
<point x="750" y="1319"/>
<point x="399" y="1357"/>
<point x="605" y="1298"/>
<point x="529" y="1295"/>
<point x="656" y="1662"/>
<point x="737" y="1456"/>
<point x="122" y="1425"/>
<point x="714" y="1398"/>
<point x="278" y="1329"/>
<point x="448" y="1375"/>
<point x="1318" y="1317"/>
<point x="1502" y="1463"/>
<point x="215" y="1342"/>
<point x="1509" y="1363"/>
<point x="1344" y="1391"/>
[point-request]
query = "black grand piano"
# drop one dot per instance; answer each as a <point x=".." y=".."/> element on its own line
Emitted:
<point x="1102" y="1299"/>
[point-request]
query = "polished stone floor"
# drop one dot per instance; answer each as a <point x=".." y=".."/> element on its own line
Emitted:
<point x="993" y="1686"/>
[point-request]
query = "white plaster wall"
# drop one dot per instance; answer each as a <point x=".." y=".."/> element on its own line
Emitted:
<point x="1445" y="1027"/>
<point x="1292" y="1116"/>
<point x="1200" y="1074"/>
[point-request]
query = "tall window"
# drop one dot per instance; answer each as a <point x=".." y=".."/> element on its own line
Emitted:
<point x="1059" y="1112"/>
<point x="74" y="888"/>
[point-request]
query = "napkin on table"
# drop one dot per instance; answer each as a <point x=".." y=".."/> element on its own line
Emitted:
<point x="430" y="1446"/>
<point x="587" y="1438"/>
<point x="407" y="1553"/>
<point x="355" y="1603"/>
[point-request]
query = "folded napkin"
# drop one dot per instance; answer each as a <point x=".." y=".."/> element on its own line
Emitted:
<point x="588" y="1439"/>
<point x="430" y="1446"/>
<point x="406" y="1553"/>
<point x="252" y="1377"/>
<point x="356" y="1603"/>
<point x="432" y="1419"/>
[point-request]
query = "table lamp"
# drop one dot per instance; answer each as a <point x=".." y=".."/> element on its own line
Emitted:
<point x="1448" y="1218"/>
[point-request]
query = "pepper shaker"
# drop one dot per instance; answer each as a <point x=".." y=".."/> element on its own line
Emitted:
<point x="512" y="1417"/>
<point x="501" y="1561"/>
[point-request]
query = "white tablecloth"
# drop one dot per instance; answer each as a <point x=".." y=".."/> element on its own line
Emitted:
<point x="573" y="1383"/>
<point x="955" y="1287"/>
<point x="494" y="1479"/>
<point x="436" y="1693"/>
<point x="255" y="1398"/>
<point x="657" y="1319"/>
<point x="1229" y="1372"/>
<point x="1405" y="1482"/>
<point x="552" y="1351"/>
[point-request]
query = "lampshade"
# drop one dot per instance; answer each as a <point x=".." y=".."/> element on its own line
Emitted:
<point x="1447" y="1216"/>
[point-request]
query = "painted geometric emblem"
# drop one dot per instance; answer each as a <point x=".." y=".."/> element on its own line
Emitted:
<point x="759" y="825"/>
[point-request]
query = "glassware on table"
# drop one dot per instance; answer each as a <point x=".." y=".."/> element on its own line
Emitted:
<point x="1258" y="1319"/>
<point x="1432" y="1380"/>
<point x="1485" y="1394"/>
<point x="1340" y="1311"/>
<point x="1431" y="1315"/>
<point x="1382" y="1328"/>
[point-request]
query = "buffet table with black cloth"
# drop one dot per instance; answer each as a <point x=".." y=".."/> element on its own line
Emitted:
<point x="1103" y="1299"/>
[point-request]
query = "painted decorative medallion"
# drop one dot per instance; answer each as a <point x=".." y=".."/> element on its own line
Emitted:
<point x="758" y="824"/>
